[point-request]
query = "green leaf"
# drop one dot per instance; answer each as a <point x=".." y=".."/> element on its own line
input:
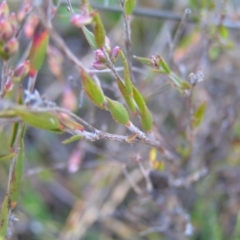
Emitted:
<point x="67" y="122"/>
<point x="99" y="31"/>
<point x="8" y="156"/>
<point x="92" y="90"/>
<point x="129" y="6"/>
<point x="14" y="133"/>
<point x="118" y="111"/>
<point x="178" y="82"/>
<point x="128" y="99"/>
<point x="138" y="99"/>
<point x="72" y="139"/>
<point x="38" y="49"/>
<point x="127" y="77"/>
<point x="42" y="120"/>
<point x="164" y="65"/>
<point x="90" y="38"/>
<point x="185" y="85"/>
<point x="159" y="71"/>
<point x="145" y="61"/>
<point x="4" y="217"/>
<point x="16" y="176"/>
<point x="223" y="32"/>
<point x="146" y="117"/>
<point x="199" y="115"/>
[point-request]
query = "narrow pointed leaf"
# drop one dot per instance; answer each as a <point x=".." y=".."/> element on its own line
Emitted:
<point x="129" y="6"/>
<point x="176" y="80"/>
<point x="131" y="138"/>
<point x="92" y="90"/>
<point x="153" y="154"/>
<point x="72" y="139"/>
<point x="199" y="115"/>
<point x="8" y="156"/>
<point x="164" y="65"/>
<point x="90" y="38"/>
<point x="159" y="71"/>
<point x="118" y="111"/>
<point x="145" y="61"/>
<point x="4" y="217"/>
<point x="42" y="120"/>
<point x="38" y="49"/>
<point x="15" y="126"/>
<point x="14" y="133"/>
<point x="223" y="32"/>
<point x="138" y="99"/>
<point x="128" y="99"/>
<point x="127" y="77"/>
<point x="99" y="31"/>
<point x="16" y="176"/>
<point x="69" y="123"/>
<point x="183" y="85"/>
<point x="146" y="117"/>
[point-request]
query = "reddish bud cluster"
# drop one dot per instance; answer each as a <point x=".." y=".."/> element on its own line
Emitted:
<point x="100" y="59"/>
<point x="8" y="27"/>
<point x="155" y="61"/>
<point x="21" y="71"/>
<point x="86" y="17"/>
<point x="8" y="86"/>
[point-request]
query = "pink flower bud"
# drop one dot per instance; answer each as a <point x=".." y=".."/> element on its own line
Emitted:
<point x="155" y="61"/>
<point x="107" y="44"/>
<point x="99" y="56"/>
<point x="21" y="71"/>
<point x="4" y="10"/>
<point x="11" y="47"/>
<point x="115" y="52"/>
<point x="30" y="25"/>
<point x="8" y="86"/>
<point x="7" y="31"/>
<point x="99" y="65"/>
<point x="79" y="20"/>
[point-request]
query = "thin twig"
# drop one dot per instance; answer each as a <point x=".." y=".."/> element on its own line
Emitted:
<point x="3" y="77"/>
<point x="70" y="6"/>
<point x="127" y="36"/>
<point x="179" y="31"/>
<point x="165" y="15"/>
<point x="190" y="119"/>
<point x="118" y="69"/>
<point x="111" y="65"/>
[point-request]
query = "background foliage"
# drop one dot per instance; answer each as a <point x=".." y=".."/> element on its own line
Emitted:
<point x="112" y="190"/>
